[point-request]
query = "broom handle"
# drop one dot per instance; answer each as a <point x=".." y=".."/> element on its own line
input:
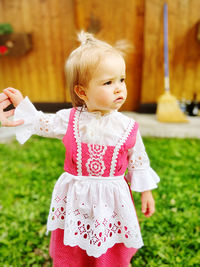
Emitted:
<point x="166" y="56"/>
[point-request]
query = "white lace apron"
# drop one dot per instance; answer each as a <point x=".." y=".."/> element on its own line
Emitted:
<point x="95" y="213"/>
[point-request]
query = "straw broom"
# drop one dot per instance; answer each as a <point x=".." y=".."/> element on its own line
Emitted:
<point x="168" y="109"/>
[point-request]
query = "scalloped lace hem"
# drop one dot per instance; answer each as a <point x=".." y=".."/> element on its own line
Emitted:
<point x="96" y="251"/>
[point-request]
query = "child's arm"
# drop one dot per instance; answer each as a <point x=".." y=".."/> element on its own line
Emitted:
<point x="141" y="176"/>
<point x="4" y="115"/>
<point x="36" y="122"/>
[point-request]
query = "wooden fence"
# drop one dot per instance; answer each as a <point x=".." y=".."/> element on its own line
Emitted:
<point x="54" y="24"/>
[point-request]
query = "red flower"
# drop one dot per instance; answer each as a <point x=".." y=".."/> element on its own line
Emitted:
<point x="3" y="49"/>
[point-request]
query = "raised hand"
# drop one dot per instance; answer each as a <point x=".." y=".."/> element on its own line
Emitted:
<point x="5" y="101"/>
<point x="14" y="95"/>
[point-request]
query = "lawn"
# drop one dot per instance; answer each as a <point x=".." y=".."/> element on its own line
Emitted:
<point x="29" y="172"/>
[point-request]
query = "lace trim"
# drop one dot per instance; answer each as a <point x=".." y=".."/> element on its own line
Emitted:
<point x="78" y="141"/>
<point x="96" y="235"/>
<point x="118" y="146"/>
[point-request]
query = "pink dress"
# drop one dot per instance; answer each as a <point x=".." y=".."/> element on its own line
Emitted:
<point x="92" y="203"/>
<point x="92" y="215"/>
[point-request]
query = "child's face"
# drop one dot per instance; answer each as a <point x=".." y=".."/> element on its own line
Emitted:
<point x="106" y="90"/>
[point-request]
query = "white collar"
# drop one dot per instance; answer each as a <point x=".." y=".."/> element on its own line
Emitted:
<point x="96" y="114"/>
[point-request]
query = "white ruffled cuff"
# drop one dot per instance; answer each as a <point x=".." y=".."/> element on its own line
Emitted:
<point x="26" y="111"/>
<point x="143" y="179"/>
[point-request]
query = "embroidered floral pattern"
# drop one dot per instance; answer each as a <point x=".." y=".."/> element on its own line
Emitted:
<point x="57" y="210"/>
<point x="99" y="231"/>
<point x="58" y="213"/>
<point x="44" y="126"/>
<point x="140" y="160"/>
<point x="95" y="164"/>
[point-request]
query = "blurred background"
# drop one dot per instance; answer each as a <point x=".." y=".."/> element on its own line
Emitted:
<point x="36" y="37"/>
<point x="33" y="55"/>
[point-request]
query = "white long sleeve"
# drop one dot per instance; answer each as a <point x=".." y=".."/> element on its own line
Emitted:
<point x="140" y="175"/>
<point x="37" y="122"/>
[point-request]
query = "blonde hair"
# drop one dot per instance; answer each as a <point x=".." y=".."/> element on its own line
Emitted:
<point x="84" y="59"/>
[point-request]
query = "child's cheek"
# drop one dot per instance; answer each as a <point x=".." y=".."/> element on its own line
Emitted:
<point x="104" y="99"/>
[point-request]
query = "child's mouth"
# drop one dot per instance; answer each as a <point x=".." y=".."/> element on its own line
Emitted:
<point x="119" y="99"/>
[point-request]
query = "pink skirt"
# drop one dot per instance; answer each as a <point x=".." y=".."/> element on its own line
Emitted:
<point x="65" y="256"/>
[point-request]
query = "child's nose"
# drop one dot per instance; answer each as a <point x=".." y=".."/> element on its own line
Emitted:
<point x="117" y="88"/>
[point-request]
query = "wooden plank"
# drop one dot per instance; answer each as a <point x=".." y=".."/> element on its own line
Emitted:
<point x="31" y="63"/>
<point x="11" y="68"/>
<point x="194" y="19"/>
<point x="159" y="55"/>
<point x="192" y="50"/>
<point x="68" y="38"/>
<point x="179" y="50"/>
<point x="151" y="39"/>
<point x="52" y="49"/>
<point x="22" y="62"/>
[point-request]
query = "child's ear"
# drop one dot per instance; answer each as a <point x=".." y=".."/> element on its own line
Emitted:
<point x="80" y="91"/>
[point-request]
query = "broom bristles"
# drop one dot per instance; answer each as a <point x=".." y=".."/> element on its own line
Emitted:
<point x="168" y="109"/>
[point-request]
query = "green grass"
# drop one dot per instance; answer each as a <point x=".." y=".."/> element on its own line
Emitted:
<point x="27" y="177"/>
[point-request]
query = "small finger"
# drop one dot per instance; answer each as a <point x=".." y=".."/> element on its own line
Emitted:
<point x="3" y="97"/>
<point x="8" y="92"/>
<point x="148" y="215"/>
<point x="5" y="104"/>
<point x="17" y="123"/>
<point x="11" y="90"/>
<point x="12" y="123"/>
<point x="144" y="206"/>
<point x="9" y="113"/>
<point x="144" y="209"/>
<point x="150" y="212"/>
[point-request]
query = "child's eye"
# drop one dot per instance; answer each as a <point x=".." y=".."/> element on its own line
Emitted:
<point x="107" y="83"/>
<point x="122" y="80"/>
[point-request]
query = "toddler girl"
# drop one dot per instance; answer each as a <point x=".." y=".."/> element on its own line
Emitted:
<point x="92" y="215"/>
